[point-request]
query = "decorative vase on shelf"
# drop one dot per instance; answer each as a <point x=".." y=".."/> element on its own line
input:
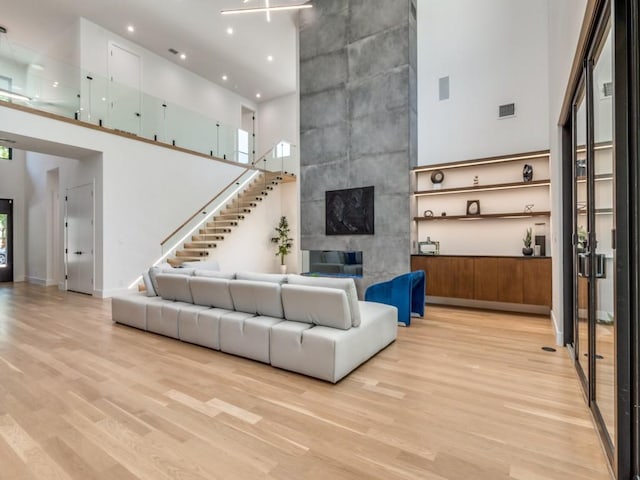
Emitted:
<point x="527" y="251"/>
<point x="283" y="269"/>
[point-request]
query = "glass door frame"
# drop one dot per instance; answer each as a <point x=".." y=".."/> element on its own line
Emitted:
<point x="625" y="23"/>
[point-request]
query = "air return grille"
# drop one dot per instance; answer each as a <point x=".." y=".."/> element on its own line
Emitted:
<point x="607" y="89"/>
<point x="507" y="110"/>
<point x="443" y="88"/>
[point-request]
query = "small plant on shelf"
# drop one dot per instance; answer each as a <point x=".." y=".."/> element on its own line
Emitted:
<point x="527" y="250"/>
<point x="284" y="243"/>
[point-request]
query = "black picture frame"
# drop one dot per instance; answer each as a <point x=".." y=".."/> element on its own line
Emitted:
<point x="350" y="211"/>
<point x="473" y="207"/>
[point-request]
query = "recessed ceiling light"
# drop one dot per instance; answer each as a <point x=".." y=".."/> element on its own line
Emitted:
<point x="229" y="31"/>
<point x="258" y="95"/>
<point x="183" y="56"/>
<point x="270" y="58"/>
<point x="130" y="29"/>
<point x="225" y="78"/>
<point x="104" y="99"/>
<point x="55" y="84"/>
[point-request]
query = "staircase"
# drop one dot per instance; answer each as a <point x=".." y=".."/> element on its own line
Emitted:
<point x="220" y="226"/>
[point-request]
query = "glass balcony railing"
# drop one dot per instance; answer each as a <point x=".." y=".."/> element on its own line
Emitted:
<point x="30" y="79"/>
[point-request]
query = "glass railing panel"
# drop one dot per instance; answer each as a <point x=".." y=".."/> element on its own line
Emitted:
<point x="49" y="85"/>
<point x="283" y="157"/>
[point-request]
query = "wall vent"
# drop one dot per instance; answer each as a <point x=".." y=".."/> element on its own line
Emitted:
<point x="507" y="110"/>
<point x="607" y="89"/>
<point x="443" y="88"/>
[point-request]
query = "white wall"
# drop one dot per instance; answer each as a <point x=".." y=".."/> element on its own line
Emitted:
<point x="71" y="173"/>
<point x="143" y="192"/>
<point x="565" y="19"/>
<point x="249" y="246"/>
<point x="12" y="181"/>
<point x="494" y="52"/>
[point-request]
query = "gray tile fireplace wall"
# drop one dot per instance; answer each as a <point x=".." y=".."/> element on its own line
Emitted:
<point x="358" y="123"/>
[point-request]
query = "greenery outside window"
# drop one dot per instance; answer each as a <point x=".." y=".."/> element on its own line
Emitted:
<point x="6" y="153"/>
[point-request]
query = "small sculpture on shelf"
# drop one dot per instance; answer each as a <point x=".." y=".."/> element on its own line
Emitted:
<point x="476" y="181"/>
<point x="527" y="250"/>
<point x="429" y="247"/>
<point x="528" y="208"/>
<point x="437" y="177"/>
<point x="527" y="173"/>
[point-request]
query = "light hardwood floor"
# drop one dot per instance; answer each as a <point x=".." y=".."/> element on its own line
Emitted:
<point x="461" y="394"/>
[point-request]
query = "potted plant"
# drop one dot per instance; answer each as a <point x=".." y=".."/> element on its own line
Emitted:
<point x="527" y="250"/>
<point x="283" y="242"/>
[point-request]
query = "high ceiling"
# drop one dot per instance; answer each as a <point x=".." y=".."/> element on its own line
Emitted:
<point x="194" y="27"/>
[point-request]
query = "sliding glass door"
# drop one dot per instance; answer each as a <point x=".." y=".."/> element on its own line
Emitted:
<point x="593" y="230"/>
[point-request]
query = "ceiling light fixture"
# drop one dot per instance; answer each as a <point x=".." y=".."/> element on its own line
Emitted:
<point x="15" y="96"/>
<point x="183" y="56"/>
<point x="270" y="58"/>
<point x="266" y="9"/>
<point x="225" y="78"/>
<point x="258" y="95"/>
<point x="229" y="31"/>
<point x="130" y="29"/>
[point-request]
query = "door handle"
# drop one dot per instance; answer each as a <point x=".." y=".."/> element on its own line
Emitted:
<point x="78" y="253"/>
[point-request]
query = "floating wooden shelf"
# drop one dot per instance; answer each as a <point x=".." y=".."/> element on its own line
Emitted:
<point x="484" y="161"/>
<point x="484" y="215"/>
<point x="480" y="188"/>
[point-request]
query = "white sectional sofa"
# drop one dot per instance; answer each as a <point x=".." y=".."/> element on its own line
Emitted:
<point x="310" y="325"/>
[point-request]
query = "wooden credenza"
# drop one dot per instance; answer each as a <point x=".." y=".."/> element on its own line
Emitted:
<point x="519" y="280"/>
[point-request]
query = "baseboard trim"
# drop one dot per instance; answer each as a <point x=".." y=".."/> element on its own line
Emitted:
<point x="111" y="292"/>
<point x="557" y="330"/>
<point x="483" y="304"/>
<point x="36" y="281"/>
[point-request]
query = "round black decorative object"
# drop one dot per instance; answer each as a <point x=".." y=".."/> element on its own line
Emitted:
<point x="437" y="176"/>
<point x="428" y="213"/>
<point x="527" y="173"/>
<point x="443" y="214"/>
<point x="527" y="251"/>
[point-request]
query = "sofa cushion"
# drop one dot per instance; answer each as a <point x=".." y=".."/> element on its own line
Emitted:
<point x="211" y="292"/>
<point x="214" y="274"/>
<point x="148" y="285"/>
<point x="174" y="287"/>
<point x="166" y="268"/>
<point x="346" y="284"/>
<point x="246" y="335"/>
<point x="316" y="305"/>
<point x="201" y="327"/>
<point x="258" y="298"/>
<point x="262" y="277"/>
<point x="211" y="265"/>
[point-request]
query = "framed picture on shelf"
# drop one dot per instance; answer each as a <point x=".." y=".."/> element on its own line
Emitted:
<point x="473" y="207"/>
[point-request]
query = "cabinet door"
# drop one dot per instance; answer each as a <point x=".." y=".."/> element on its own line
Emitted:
<point x="446" y="276"/>
<point x="485" y="279"/>
<point x="510" y="280"/>
<point x="537" y="281"/>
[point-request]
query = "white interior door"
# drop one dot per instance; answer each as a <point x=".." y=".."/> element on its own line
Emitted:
<point x="124" y="89"/>
<point x="79" y="248"/>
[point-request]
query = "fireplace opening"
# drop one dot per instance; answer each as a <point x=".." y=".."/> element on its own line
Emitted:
<point x="333" y="263"/>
